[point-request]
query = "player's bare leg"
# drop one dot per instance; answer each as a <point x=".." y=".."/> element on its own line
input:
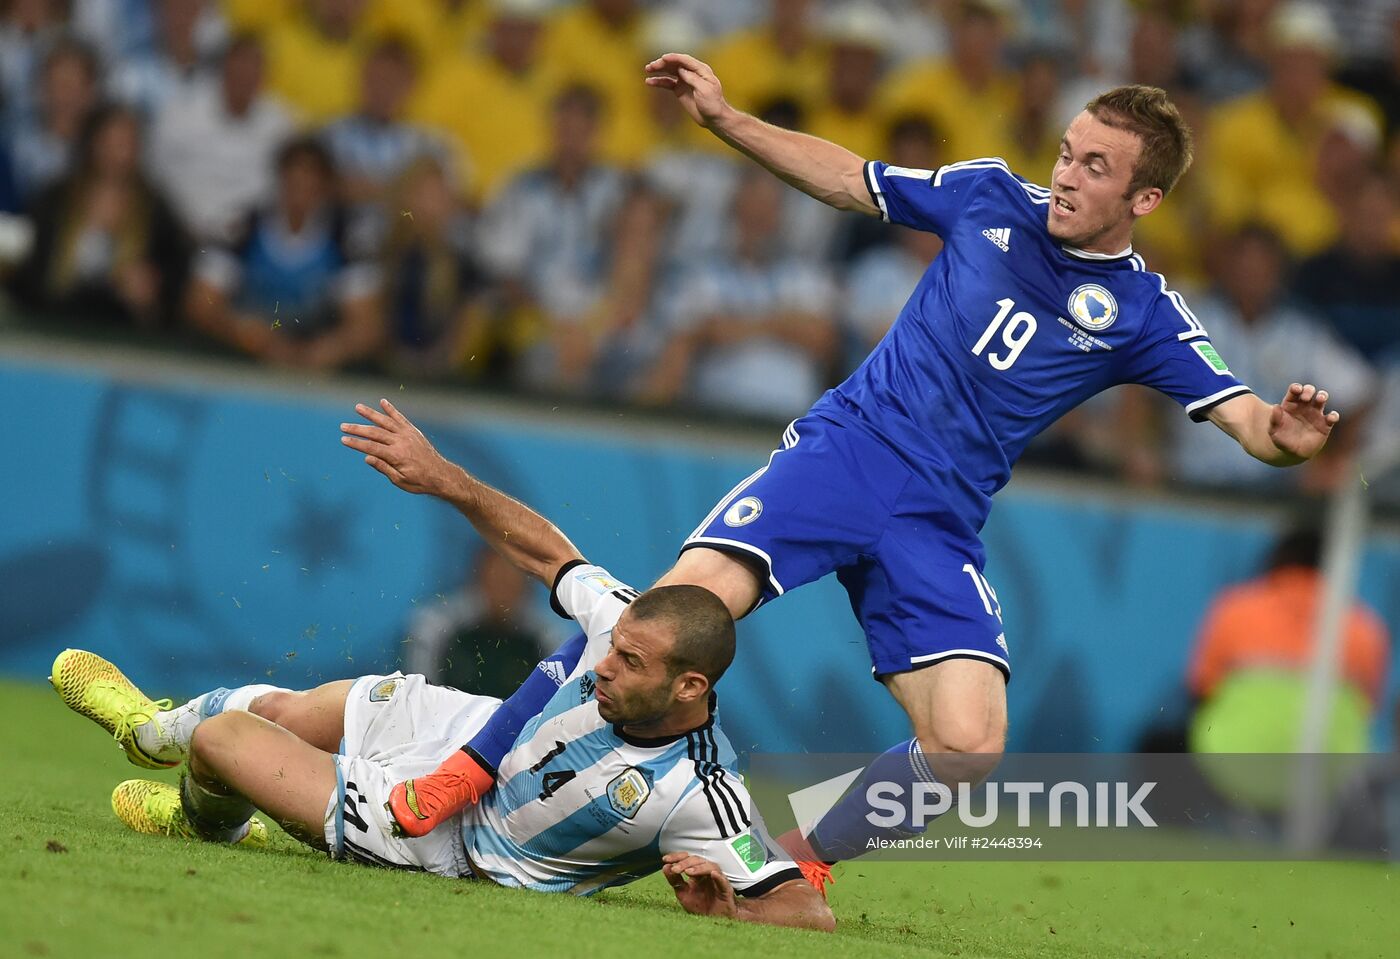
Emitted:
<point x="736" y="581"/>
<point x="958" y="711"/>
<point x="239" y="761"/>
<point x="315" y="716"/>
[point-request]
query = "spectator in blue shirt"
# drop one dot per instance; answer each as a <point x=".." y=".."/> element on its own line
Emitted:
<point x="43" y="142"/>
<point x="375" y="145"/>
<point x="293" y="289"/>
<point x="149" y="79"/>
<point x="752" y="332"/>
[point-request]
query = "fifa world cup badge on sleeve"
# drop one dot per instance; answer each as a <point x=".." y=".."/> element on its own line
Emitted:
<point x="1213" y="359"/>
<point x="749" y="851"/>
<point x="628" y="791"/>
<point x="598" y="581"/>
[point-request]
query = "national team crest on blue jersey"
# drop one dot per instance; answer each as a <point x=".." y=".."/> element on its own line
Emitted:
<point x="628" y="791"/>
<point x="744" y="512"/>
<point x="1093" y="307"/>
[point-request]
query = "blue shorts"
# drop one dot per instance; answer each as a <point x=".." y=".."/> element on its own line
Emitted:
<point x="836" y="499"/>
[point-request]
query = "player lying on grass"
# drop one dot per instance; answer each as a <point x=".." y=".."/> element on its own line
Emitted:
<point x="625" y="771"/>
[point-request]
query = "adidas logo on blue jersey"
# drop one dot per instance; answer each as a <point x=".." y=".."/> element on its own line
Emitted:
<point x="1001" y="237"/>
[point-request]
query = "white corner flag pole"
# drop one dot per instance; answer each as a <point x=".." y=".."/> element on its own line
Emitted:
<point x="1343" y="544"/>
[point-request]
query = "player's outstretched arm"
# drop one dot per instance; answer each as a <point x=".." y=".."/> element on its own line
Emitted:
<point x="1284" y="434"/>
<point x="399" y="450"/>
<point x="701" y="888"/>
<point x="817" y="167"/>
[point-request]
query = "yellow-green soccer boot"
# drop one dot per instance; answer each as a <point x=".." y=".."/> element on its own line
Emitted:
<point x="154" y="808"/>
<point x="95" y="688"/>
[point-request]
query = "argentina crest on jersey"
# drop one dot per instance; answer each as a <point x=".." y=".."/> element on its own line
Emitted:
<point x="1093" y="307"/>
<point x="627" y="791"/>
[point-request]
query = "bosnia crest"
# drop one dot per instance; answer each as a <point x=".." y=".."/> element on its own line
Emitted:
<point x="1093" y="307"/>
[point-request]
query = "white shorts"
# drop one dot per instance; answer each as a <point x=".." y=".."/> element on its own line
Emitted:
<point x="398" y="727"/>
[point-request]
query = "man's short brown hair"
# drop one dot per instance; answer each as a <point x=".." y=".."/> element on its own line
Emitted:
<point x="701" y="624"/>
<point x="1166" y="139"/>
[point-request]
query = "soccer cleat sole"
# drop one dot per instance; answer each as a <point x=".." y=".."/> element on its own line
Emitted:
<point x="153" y="808"/>
<point x="74" y="671"/>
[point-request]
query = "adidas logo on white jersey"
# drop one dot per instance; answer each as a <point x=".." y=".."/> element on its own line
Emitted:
<point x="1001" y="237"/>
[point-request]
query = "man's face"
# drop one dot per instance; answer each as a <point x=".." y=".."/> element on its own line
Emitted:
<point x="1298" y="75"/>
<point x="385" y="85"/>
<point x="1090" y="181"/>
<point x="758" y="208"/>
<point x="575" y="131"/>
<point x="513" y="41"/>
<point x="243" y="76"/>
<point x="304" y="188"/>
<point x="634" y="682"/>
<point x="1254" y="275"/>
<point x="854" y="76"/>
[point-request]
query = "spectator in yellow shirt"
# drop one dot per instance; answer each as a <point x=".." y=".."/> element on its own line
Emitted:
<point x="600" y="43"/>
<point x="1264" y="148"/>
<point x="970" y="96"/>
<point x="314" y="59"/>
<point x="495" y="102"/>
<point x="435" y="28"/>
<point x="782" y="59"/>
<point x="259" y="16"/>
<point x="858" y="35"/>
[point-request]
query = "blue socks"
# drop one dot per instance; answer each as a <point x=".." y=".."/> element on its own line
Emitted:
<point x="846" y="832"/>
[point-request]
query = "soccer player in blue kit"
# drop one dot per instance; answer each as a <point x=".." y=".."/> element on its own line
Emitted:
<point x="1036" y="303"/>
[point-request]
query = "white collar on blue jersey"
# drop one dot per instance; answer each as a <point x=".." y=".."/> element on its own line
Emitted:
<point x="1086" y="255"/>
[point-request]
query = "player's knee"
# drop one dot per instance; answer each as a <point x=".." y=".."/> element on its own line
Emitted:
<point x="274" y="706"/>
<point x="213" y="740"/>
<point x="963" y="750"/>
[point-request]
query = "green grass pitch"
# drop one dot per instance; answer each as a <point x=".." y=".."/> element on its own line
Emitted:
<point x="74" y="882"/>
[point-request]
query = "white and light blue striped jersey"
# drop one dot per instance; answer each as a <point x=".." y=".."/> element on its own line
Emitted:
<point x="1008" y="330"/>
<point x="580" y="805"/>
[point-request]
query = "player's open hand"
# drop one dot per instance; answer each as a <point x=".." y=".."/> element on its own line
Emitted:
<point x="700" y="885"/>
<point x="693" y="83"/>
<point x="398" y="449"/>
<point x="1300" y="424"/>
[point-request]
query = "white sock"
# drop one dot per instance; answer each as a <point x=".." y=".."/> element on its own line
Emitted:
<point x="167" y="737"/>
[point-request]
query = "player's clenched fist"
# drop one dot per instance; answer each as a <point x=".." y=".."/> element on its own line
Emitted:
<point x="693" y="83"/>
<point x="398" y="449"/>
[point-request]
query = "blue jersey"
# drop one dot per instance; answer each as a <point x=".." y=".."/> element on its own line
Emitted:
<point x="1007" y="331"/>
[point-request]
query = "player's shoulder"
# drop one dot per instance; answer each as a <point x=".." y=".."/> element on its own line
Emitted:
<point x="580" y="586"/>
<point x="1165" y="309"/>
<point x="995" y="174"/>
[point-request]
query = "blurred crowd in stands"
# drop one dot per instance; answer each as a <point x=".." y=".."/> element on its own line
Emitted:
<point x="485" y="191"/>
